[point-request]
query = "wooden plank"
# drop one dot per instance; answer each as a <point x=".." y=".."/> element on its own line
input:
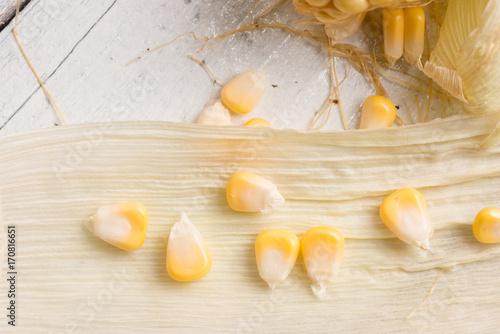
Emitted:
<point x="48" y="43"/>
<point x="8" y="11"/>
<point x="80" y="51"/>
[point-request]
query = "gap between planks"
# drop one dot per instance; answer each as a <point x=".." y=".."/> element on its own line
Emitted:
<point x="8" y="11"/>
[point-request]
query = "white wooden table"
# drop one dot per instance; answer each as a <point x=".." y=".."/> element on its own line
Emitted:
<point x="80" y="47"/>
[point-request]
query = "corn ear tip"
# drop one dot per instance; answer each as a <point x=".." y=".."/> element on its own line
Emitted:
<point x="274" y="200"/>
<point x="391" y="60"/>
<point x="425" y="244"/>
<point x="184" y="217"/>
<point x="89" y="223"/>
<point x="272" y="285"/>
<point x="319" y="290"/>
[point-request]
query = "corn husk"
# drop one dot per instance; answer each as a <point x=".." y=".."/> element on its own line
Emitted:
<point x="466" y="59"/>
<point x="467" y="55"/>
<point x="54" y="179"/>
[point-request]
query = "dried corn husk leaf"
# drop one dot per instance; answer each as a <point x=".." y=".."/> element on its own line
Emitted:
<point x="466" y="59"/>
<point x="54" y="179"/>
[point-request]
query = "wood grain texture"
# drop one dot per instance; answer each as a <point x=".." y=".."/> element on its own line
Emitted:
<point x="72" y="282"/>
<point x="8" y="10"/>
<point x="80" y="48"/>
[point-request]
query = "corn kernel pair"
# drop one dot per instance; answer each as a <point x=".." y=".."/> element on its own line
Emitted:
<point x="240" y="95"/>
<point x="322" y="248"/>
<point x="124" y="226"/>
<point x="405" y="213"/>
<point x="403" y="33"/>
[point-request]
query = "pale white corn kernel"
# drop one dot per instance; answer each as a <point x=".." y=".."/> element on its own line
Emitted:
<point x="215" y="114"/>
<point x="352" y="6"/>
<point x="405" y="213"/>
<point x="243" y="93"/>
<point x="276" y="252"/>
<point x="249" y="192"/>
<point x="322" y="249"/>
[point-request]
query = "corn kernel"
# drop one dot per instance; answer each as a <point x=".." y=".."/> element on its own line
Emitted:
<point x="243" y="93"/>
<point x="248" y="192"/>
<point x="121" y="225"/>
<point x="405" y="213"/>
<point x="377" y="112"/>
<point x="394" y="26"/>
<point x="382" y="3"/>
<point x="414" y="33"/>
<point x="215" y="114"/>
<point x="318" y="3"/>
<point x="276" y="252"/>
<point x="259" y="122"/>
<point x="325" y="17"/>
<point x="486" y="226"/>
<point x="188" y="257"/>
<point x="322" y="250"/>
<point x="334" y="13"/>
<point x="351" y="6"/>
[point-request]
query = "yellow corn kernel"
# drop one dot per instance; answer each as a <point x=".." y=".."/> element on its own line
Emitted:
<point x="377" y="112"/>
<point x="248" y="192"/>
<point x="318" y="3"/>
<point x="324" y="17"/>
<point x="122" y="225"/>
<point x="394" y="27"/>
<point x="414" y="33"/>
<point x="322" y="250"/>
<point x="276" y="252"/>
<point x="188" y="257"/>
<point x="405" y="213"/>
<point x="215" y="114"/>
<point x="351" y="6"/>
<point x="486" y="226"/>
<point x="334" y="13"/>
<point x="259" y="122"/>
<point x="243" y="93"/>
<point x="382" y="3"/>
